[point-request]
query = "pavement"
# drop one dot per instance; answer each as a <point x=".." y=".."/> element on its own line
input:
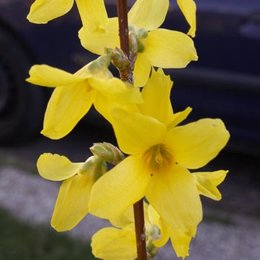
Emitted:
<point x="231" y="229"/>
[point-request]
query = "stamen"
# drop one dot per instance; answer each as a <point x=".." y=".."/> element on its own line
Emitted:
<point x="158" y="157"/>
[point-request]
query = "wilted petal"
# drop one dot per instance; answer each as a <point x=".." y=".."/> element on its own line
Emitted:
<point x="169" y="49"/>
<point x="197" y="143"/>
<point x="135" y="132"/>
<point x="66" y="107"/>
<point x="72" y="202"/>
<point x="56" y="167"/>
<point x="48" y="76"/>
<point x="119" y="188"/>
<point x="148" y="14"/>
<point x="114" y="244"/>
<point x="174" y="195"/>
<point x="188" y="8"/>
<point x="207" y="183"/>
<point x="156" y="94"/>
<point x="42" y="11"/>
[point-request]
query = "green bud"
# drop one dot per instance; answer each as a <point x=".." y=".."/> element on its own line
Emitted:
<point x="152" y="234"/>
<point x="142" y="34"/>
<point x="100" y="66"/>
<point x="133" y="43"/>
<point x="119" y="59"/>
<point x="94" y="166"/>
<point x="107" y="152"/>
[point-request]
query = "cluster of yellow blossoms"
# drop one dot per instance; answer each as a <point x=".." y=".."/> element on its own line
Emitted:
<point x="160" y="152"/>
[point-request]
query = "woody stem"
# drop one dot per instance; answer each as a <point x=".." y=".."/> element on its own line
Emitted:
<point x="138" y="206"/>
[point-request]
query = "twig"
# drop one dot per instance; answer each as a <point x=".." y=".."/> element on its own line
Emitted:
<point x="138" y="206"/>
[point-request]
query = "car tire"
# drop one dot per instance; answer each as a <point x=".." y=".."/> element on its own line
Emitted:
<point x="21" y="105"/>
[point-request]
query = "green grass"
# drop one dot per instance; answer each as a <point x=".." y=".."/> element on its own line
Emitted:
<point x="20" y="241"/>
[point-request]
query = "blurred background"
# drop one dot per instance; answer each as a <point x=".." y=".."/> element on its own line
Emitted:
<point x="224" y="83"/>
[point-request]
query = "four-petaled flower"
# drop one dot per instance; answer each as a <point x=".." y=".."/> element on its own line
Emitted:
<point x="77" y="180"/>
<point x="74" y="94"/>
<point x="160" y="154"/>
<point x="156" y="47"/>
<point x="119" y="242"/>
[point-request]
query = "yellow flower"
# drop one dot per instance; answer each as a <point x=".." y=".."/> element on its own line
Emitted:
<point x="160" y="155"/>
<point x="119" y="242"/>
<point x="43" y="11"/>
<point x="78" y="178"/>
<point x="156" y="47"/>
<point x="74" y="94"/>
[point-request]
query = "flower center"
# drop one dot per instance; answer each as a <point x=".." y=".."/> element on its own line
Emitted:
<point x="158" y="157"/>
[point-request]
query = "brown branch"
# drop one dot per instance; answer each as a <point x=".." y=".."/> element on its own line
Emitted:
<point x="140" y="230"/>
<point x="126" y="73"/>
<point x="138" y="206"/>
<point x="123" y="25"/>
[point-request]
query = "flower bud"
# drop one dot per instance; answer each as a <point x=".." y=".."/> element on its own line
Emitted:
<point x="119" y="59"/>
<point x="133" y="43"/>
<point x="99" y="66"/>
<point x="95" y="166"/>
<point x="107" y="152"/>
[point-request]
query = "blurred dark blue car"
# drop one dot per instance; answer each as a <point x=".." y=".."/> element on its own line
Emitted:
<point x="224" y="83"/>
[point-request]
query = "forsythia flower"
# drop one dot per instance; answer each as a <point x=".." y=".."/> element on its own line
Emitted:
<point x="160" y="155"/>
<point x="74" y="94"/>
<point x="42" y="11"/>
<point x="78" y="178"/>
<point x="119" y="242"/>
<point x="156" y="47"/>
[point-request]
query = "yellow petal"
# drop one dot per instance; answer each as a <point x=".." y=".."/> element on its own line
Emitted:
<point x="135" y="132"/>
<point x="148" y="14"/>
<point x="105" y="106"/>
<point x="180" y="241"/>
<point x="142" y="69"/>
<point x="179" y="117"/>
<point x="56" y="167"/>
<point x="207" y="183"/>
<point x="169" y="49"/>
<point x="114" y="244"/>
<point x="66" y="107"/>
<point x="97" y="40"/>
<point x="155" y="219"/>
<point x="197" y="143"/>
<point x="119" y="188"/>
<point x="72" y="202"/>
<point x="116" y="90"/>
<point x="42" y="11"/>
<point x="48" y="76"/>
<point x="188" y="8"/>
<point x="124" y="219"/>
<point x="92" y="13"/>
<point x="174" y="195"/>
<point x="156" y="94"/>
